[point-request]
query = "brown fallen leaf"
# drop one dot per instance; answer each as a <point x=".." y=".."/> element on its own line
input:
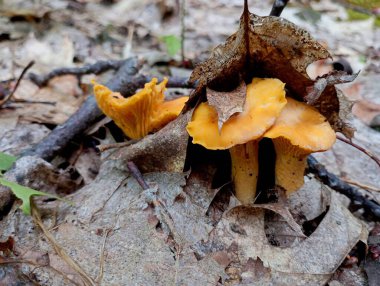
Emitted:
<point x="283" y="211"/>
<point x="310" y="261"/>
<point x="269" y="47"/>
<point x="164" y="150"/>
<point x="266" y="46"/>
<point x="330" y="101"/>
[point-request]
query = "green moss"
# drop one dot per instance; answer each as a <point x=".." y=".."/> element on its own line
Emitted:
<point x="356" y="16"/>
<point x="377" y="21"/>
<point x="368" y="4"/>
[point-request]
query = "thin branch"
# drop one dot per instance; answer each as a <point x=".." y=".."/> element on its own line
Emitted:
<point x="135" y="172"/>
<point x="334" y="182"/>
<point x="26" y="101"/>
<point x="140" y="79"/>
<point x="8" y="97"/>
<point x="278" y="7"/>
<point x="96" y="68"/>
<point x="368" y="153"/>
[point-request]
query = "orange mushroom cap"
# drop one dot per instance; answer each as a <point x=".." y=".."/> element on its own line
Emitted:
<point x="141" y="113"/>
<point x="304" y="127"/>
<point x="298" y="131"/>
<point x="264" y="101"/>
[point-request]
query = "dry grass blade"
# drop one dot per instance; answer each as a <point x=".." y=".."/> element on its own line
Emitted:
<point x="99" y="278"/>
<point x="87" y="280"/>
<point x="361" y="185"/>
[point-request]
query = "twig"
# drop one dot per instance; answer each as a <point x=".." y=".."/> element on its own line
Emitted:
<point x="26" y="101"/>
<point x="137" y="175"/>
<point x="139" y="81"/>
<point x="331" y="180"/>
<point x="368" y="153"/>
<point x="182" y="16"/>
<point x="278" y="7"/>
<point x="8" y="97"/>
<point x="96" y="68"/>
<point x="105" y="147"/>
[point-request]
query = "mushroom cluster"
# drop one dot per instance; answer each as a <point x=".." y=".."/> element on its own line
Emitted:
<point x="142" y="113"/>
<point x="296" y="129"/>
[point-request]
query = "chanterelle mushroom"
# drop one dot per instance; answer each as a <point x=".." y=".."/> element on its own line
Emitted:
<point x="298" y="131"/>
<point x="240" y="133"/>
<point x="144" y="112"/>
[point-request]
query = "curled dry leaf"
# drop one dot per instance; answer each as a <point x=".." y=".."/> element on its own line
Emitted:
<point x="161" y="151"/>
<point x="330" y="101"/>
<point x="321" y="83"/>
<point x="236" y="101"/>
<point x="270" y="47"/>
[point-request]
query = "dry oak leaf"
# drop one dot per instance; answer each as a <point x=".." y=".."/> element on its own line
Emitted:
<point x="267" y="47"/>
<point x="310" y="261"/>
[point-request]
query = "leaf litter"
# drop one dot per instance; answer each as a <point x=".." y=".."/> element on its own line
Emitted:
<point x="156" y="237"/>
<point x="175" y="241"/>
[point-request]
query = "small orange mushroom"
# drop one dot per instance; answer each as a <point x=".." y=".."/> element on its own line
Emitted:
<point x="298" y="131"/>
<point x="241" y="132"/>
<point x="144" y="112"/>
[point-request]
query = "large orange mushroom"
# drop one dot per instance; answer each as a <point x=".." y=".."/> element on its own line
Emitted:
<point x="240" y="134"/>
<point x="295" y="128"/>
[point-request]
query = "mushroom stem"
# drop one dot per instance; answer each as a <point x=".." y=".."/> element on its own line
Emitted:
<point x="290" y="165"/>
<point x="245" y="166"/>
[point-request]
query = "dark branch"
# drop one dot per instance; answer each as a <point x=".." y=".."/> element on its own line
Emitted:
<point x="139" y="81"/>
<point x="277" y="7"/>
<point x="96" y="68"/>
<point x="87" y="115"/>
<point x="331" y="180"/>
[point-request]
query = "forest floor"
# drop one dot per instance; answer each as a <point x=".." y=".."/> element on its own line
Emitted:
<point x="117" y="234"/>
